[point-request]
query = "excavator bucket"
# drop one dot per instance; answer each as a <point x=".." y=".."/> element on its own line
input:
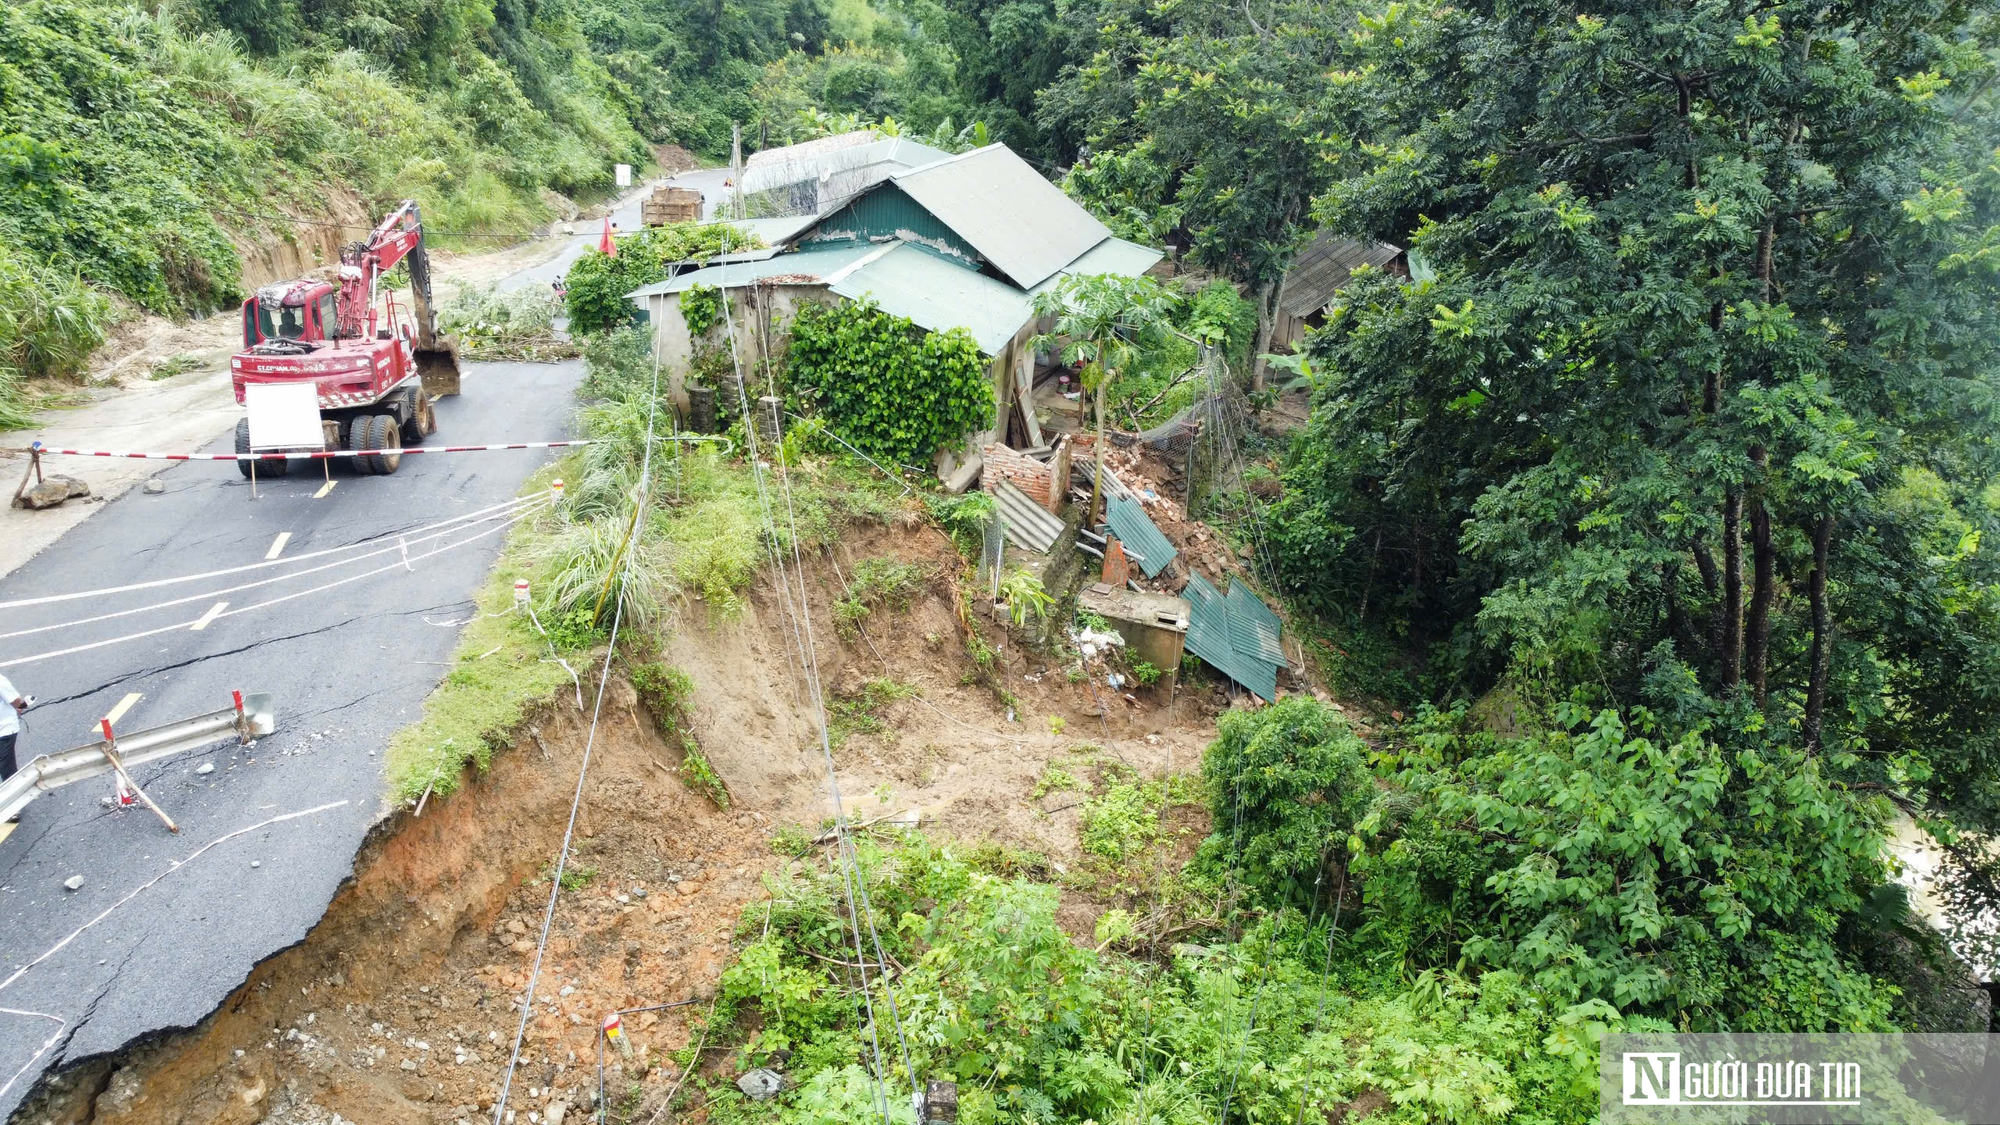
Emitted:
<point x="438" y="367"/>
<point x="437" y="358"/>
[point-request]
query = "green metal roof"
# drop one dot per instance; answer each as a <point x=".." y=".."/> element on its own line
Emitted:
<point x="1129" y="523"/>
<point x="887" y="212"/>
<point x="812" y="265"/>
<point x="1253" y="626"/>
<point x="938" y="294"/>
<point x="1017" y="220"/>
<point x="1113" y="255"/>
<point x="1211" y="637"/>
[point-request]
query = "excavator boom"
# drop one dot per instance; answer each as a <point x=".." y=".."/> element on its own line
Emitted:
<point x="399" y="238"/>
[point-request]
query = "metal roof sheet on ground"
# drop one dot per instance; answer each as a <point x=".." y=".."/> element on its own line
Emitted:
<point x="1253" y="626"/>
<point x="1209" y="637"/>
<point x="816" y="263"/>
<point x="1115" y="487"/>
<point x="1135" y="530"/>
<point x="1324" y="266"/>
<point x="1027" y="523"/>
<point x="1016" y="219"/>
<point x="1113" y="255"/>
<point x="939" y="295"/>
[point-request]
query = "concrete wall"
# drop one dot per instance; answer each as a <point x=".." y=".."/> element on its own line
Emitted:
<point x="760" y="314"/>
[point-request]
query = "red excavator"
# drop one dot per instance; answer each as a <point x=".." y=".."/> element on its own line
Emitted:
<point x="377" y="366"/>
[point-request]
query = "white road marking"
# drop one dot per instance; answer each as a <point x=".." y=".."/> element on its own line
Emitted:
<point x="278" y="548"/>
<point x="214" y="611"/>
<point x="124" y="705"/>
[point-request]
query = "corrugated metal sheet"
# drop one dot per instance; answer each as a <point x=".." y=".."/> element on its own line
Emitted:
<point x="776" y="231"/>
<point x="939" y="294"/>
<point x="1028" y="524"/>
<point x="1209" y="637"/>
<point x="1087" y="466"/>
<point x="808" y="150"/>
<point x="996" y="201"/>
<point x="887" y="212"/>
<point x="816" y="262"/>
<point x="840" y="171"/>
<point x="1253" y="626"/>
<point x="1130" y="524"/>
<point x="1324" y="266"/>
<point x="1113" y="255"/>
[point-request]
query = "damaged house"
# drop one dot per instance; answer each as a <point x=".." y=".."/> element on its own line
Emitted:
<point x="960" y="242"/>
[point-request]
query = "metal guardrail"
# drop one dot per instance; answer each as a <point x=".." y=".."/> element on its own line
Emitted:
<point x="256" y="718"/>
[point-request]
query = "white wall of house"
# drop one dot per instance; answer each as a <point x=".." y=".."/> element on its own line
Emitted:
<point x="760" y="314"/>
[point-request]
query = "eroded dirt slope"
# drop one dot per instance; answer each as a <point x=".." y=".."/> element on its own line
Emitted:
<point x="401" y="1007"/>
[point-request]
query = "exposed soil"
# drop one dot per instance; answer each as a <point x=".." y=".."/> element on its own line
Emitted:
<point x="401" y="1006"/>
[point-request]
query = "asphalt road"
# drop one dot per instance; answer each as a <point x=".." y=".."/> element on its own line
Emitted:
<point x="708" y="181"/>
<point x="347" y="666"/>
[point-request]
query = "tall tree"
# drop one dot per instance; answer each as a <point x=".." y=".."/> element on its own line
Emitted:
<point x="1715" y="296"/>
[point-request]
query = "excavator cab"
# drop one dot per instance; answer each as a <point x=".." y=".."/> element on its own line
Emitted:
<point x="296" y="316"/>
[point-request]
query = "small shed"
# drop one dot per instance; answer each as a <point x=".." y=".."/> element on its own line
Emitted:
<point x="1154" y="626"/>
<point x="1317" y="274"/>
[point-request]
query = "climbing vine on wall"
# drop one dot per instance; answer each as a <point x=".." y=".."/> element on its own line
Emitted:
<point x="898" y="393"/>
<point x="701" y="305"/>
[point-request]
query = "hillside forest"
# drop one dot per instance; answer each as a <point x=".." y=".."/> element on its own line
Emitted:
<point x="1654" y="521"/>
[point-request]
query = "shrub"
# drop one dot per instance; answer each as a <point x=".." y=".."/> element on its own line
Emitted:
<point x="598" y="282"/>
<point x="1612" y="860"/>
<point x="898" y="393"/>
<point x="1286" y="786"/>
<point x="875" y="583"/>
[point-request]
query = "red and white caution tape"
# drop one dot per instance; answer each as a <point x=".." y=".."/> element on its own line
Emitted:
<point x="318" y="455"/>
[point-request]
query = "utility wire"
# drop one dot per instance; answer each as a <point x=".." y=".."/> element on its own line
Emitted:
<point x="402" y="543"/>
<point x="641" y="499"/>
<point x="106" y="591"/>
<point x="399" y="564"/>
<point x="801" y="630"/>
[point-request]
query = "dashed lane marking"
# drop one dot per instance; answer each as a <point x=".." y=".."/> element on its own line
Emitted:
<point x="324" y="489"/>
<point x="124" y="705"/>
<point x="278" y="548"/>
<point x="214" y="611"/>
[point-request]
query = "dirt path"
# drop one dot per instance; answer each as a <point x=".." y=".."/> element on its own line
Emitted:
<point x="161" y="386"/>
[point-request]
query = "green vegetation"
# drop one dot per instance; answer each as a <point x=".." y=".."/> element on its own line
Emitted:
<point x="701" y="306"/>
<point x="666" y="692"/>
<point x="492" y="324"/>
<point x="497" y="673"/>
<point x="1034" y="1026"/>
<point x="964" y="518"/>
<point x="860" y="712"/>
<point x="898" y="393"/>
<point x="875" y="583"/>
<point x="1027" y="599"/>
<point x="598" y="282"/>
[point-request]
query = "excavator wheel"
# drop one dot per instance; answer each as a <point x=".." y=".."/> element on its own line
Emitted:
<point x="379" y="432"/>
<point x="420" y="420"/>
<point x="264" y="468"/>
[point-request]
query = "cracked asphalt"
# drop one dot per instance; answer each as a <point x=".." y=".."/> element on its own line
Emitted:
<point x="348" y="667"/>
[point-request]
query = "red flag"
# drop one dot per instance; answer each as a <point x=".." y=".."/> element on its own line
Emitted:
<point x="605" y="245"/>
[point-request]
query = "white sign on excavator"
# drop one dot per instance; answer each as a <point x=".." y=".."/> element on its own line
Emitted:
<point x="283" y="415"/>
